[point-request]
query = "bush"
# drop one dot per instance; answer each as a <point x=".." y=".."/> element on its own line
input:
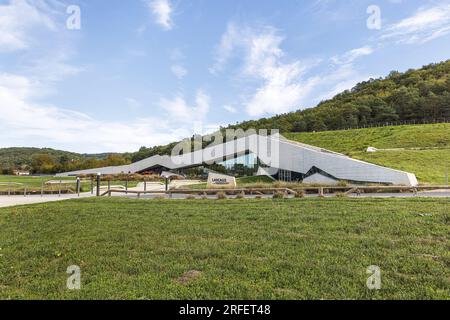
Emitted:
<point x="278" y="195"/>
<point x="342" y="183"/>
<point x="341" y="195"/>
<point x="240" y="195"/>
<point x="300" y="194"/>
<point x="221" y="195"/>
<point x="190" y="197"/>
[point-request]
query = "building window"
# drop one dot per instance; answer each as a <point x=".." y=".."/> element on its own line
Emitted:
<point x="285" y="175"/>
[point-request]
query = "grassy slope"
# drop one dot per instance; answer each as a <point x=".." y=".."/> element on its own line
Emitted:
<point x="428" y="164"/>
<point x="245" y="249"/>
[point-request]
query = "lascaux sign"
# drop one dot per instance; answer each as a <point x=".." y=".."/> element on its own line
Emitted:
<point x="215" y="180"/>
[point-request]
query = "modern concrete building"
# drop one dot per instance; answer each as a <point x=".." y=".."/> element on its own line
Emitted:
<point x="273" y="156"/>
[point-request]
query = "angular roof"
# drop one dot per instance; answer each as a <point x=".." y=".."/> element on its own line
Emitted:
<point x="284" y="154"/>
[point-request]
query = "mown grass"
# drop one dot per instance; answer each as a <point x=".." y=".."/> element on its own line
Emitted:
<point x="244" y="249"/>
<point x="429" y="166"/>
<point x="429" y="162"/>
<point x="32" y="181"/>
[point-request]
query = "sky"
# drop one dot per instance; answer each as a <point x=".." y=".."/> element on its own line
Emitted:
<point x="111" y="75"/>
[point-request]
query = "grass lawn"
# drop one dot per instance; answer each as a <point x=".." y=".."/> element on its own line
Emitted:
<point x="31" y="183"/>
<point x="429" y="162"/>
<point x="243" y="249"/>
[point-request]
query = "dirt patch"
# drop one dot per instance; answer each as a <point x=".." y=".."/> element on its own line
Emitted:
<point x="189" y="276"/>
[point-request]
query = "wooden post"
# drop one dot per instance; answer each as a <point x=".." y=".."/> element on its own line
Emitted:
<point x="78" y="186"/>
<point x="98" y="185"/>
<point x="92" y="185"/>
<point x="42" y="188"/>
<point x="109" y="187"/>
<point x="60" y="182"/>
<point x="126" y="186"/>
<point x="145" y="185"/>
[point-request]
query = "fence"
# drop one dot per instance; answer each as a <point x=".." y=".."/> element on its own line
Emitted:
<point x="392" y="123"/>
<point x="58" y="187"/>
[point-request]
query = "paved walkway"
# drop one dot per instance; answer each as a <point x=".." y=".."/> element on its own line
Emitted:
<point x="10" y="201"/>
<point x="6" y="201"/>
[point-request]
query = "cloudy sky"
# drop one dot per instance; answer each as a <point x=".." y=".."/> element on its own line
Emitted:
<point x="148" y="72"/>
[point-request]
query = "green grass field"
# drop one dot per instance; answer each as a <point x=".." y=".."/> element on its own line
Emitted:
<point x="31" y="181"/>
<point x="429" y="161"/>
<point x="19" y="183"/>
<point x="243" y="249"/>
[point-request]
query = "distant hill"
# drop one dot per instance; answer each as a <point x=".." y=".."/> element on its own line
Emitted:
<point x="46" y="160"/>
<point x="24" y="156"/>
<point x="414" y="95"/>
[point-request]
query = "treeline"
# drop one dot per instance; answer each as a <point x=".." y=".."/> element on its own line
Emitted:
<point x="415" y="95"/>
<point x="50" y="161"/>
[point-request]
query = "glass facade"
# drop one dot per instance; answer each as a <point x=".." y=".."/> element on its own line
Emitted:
<point x="247" y="160"/>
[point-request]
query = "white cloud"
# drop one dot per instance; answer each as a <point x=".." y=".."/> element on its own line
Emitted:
<point x="281" y="87"/>
<point x="425" y="25"/>
<point x="178" y="109"/>
<point x="162" y="11"/>
<point x="17" y="18"/>
<point x="230" y="109"/>
<point x="337" y="80"/>
<point x="179" y="71"/>
<point x="26" y="123"/>
<point x="352" y="55"/>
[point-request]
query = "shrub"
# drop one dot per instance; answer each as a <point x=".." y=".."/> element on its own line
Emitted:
<point x="240" y="195"/>
<point x="300" y="194"/>
<point x="258" y="197"/>
<point x="278" y="195"/>
<point x="341" y="195"/>
<point x="221" y="195"/>
<point x="342" y="183"/>
<point x="190" y="197"/>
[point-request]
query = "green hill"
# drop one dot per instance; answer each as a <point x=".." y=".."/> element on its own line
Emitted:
<point x="50" y="161"/>
<point x="415" y="95"/>
<point x="17" y="157"/>
<point x="420" y="149"/>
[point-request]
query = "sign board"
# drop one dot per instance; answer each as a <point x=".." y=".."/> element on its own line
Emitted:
<point x="220" y="180"/>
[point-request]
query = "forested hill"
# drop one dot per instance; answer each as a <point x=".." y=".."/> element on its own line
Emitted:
<point x="49" y="161"/>
<point x="414" y="95"/>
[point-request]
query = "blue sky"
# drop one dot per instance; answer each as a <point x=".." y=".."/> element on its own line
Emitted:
<point x="149" y="72"/>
